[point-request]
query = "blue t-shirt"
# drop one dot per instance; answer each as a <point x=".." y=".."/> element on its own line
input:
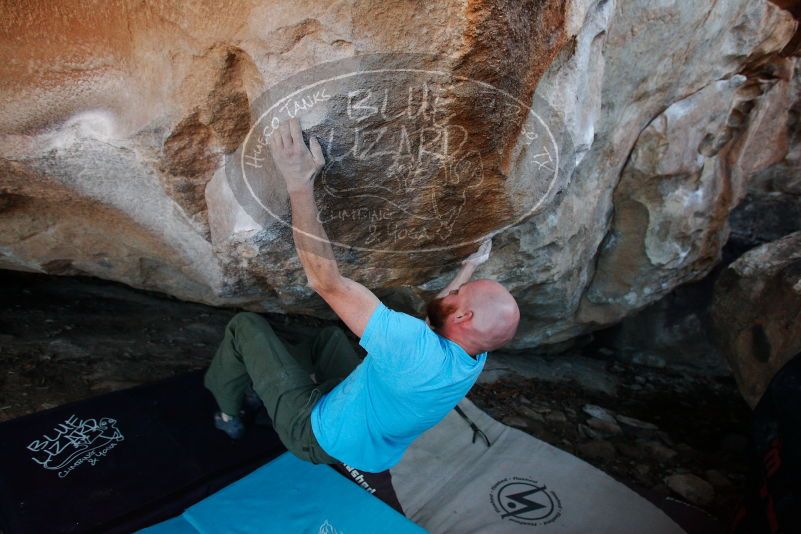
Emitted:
<point x="409" y="381"/>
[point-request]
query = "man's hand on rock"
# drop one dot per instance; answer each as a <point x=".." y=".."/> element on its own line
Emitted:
<point x="296" y="163"/>
<point x="481" y="255"/>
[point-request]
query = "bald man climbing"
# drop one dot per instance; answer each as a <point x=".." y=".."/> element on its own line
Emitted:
<point x="366" y="413"/>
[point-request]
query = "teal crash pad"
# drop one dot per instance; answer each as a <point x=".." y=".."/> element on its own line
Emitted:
<point x="292" y="496"/>
<point x="176" y="525"/>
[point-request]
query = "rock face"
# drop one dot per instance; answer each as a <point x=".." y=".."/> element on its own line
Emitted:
<point x="757" y="313"/>
<point x="120" y="123"/>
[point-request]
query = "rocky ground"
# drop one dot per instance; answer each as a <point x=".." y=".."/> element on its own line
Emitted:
<point x="670" y="431"/>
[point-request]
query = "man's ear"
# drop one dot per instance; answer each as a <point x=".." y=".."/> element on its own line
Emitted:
<point x="460" y="318"/>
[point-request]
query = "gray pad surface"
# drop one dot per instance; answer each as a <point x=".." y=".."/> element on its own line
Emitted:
<point x="448" y="484"/>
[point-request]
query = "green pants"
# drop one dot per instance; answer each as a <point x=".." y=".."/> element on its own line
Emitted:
<point x="251" y="352"/>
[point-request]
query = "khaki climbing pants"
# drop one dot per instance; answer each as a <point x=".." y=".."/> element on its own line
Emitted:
<point x="251" y="352"/>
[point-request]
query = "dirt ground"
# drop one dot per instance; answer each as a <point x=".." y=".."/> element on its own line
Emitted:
<point x="64" y="339"/>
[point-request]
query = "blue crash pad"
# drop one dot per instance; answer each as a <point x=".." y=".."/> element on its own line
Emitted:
<point x="176" y="525"/>
<point x="293" y="496"/>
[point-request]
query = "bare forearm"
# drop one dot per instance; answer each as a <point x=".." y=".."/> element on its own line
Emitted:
<point x="462" y="277"/>
<point x="311" y="241"/>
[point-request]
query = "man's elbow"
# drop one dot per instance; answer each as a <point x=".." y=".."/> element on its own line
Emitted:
<point x="325" y="286"/>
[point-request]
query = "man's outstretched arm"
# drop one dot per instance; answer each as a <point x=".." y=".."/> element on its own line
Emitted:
<point x="351" y="301"/>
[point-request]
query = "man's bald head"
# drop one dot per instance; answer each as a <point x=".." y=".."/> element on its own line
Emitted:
<point x="480" y="316"/>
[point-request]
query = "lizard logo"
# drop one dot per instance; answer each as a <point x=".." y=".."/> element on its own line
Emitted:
<point x="75" y="441"/>
<point x="525" y="501"/>
<point x="418" y="159"/>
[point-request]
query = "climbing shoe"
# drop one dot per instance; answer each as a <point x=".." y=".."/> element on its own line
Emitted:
<point x="234" y="427"/>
